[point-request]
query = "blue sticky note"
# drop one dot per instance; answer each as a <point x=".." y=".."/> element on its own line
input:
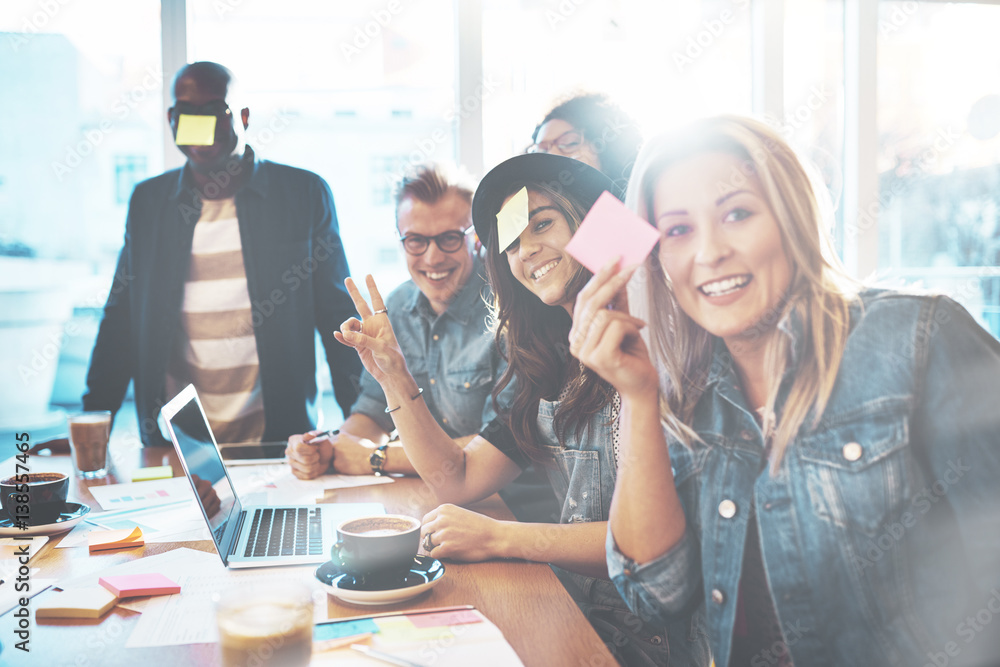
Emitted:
<point x="324" y="631"/>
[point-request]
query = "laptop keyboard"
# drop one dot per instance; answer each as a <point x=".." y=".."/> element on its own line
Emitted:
<point x="291" y="531"/>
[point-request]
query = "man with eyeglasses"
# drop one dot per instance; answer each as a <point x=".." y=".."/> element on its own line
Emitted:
<point x="439" y="317"/>
<point x="230" y="266"/>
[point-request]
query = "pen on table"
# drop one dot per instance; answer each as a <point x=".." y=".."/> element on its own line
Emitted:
<point x="331" y="644"/>
<point x="385" y="657"/>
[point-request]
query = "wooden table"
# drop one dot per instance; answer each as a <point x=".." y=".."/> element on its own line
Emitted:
<point x="525" y="600"/>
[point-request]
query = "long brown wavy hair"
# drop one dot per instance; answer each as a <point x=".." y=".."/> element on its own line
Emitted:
<point x="534" y="339"/>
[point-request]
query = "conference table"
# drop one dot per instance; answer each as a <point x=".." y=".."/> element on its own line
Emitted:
<point x="523" y="599"/>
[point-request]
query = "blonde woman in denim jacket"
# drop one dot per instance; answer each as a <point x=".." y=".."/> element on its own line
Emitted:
<point x="831" y="489"/>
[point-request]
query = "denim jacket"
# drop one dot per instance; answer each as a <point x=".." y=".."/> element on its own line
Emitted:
<point x="451" y="355"/>
<point x="880" y="534"/>
<point x="583" y="476"/>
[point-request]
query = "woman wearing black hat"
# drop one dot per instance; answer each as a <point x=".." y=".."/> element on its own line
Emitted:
<point x="562" y="414"/>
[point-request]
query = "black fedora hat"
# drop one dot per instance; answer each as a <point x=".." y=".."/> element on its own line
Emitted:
<point x="577" y="180"/>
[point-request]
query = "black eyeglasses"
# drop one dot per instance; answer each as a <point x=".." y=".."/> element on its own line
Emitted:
<point x="213" y="108"/>
<point x="417" y="244"/>
<point x="568" y="144"/>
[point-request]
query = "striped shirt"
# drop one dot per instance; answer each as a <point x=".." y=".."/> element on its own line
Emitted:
<point x="216" y="349"/>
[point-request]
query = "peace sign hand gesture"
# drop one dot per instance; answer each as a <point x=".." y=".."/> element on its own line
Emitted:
<point x="372" y="336"/>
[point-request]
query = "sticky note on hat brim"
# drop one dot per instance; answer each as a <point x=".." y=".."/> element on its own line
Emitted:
<point x="611" y="230"/>
<point x="137" y="585"/>
<point x="105" y="540"/>
<point x="89" y="602"/>
<point x="195" y="130"/>
<point x="153" y="472"/>
<point x="512" y="219"/>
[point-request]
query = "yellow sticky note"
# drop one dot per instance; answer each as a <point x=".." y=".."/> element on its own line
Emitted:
<point x="393" y="629"/>
<point x="195" y="130"/>
<point x="104" y="540"/>
<point x="154" y="472"/>
<point x="90" y="602"/>
<point x="512" y="219"/>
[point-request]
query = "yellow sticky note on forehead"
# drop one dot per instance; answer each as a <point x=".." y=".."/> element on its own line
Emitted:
<point x="512" y="219"/>
<point x="195" y="130"/>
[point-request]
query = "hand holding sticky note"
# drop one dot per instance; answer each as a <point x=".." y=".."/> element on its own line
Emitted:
<point x="611" y="230"/>
<point x="195" y="130"/>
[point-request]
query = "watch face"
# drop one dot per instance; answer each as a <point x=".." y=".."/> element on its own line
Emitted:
<point x="377" y="460"/>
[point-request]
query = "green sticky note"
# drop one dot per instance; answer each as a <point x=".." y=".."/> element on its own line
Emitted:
<point x="195" y="130"/>
<point x="399" y="629"/>
<point x="512" y="219"/>
<point x="155" y="472"/>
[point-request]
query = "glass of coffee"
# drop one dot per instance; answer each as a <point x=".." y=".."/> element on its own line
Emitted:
<point x="89" y="433"/>
<point x="267" y="625"/>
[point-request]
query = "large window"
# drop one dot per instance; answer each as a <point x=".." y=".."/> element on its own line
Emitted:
<point x="355" y="91"/>
<point x="663" y="62"/>
<point x="939" y="150"/>
<point x="79" y="90"/>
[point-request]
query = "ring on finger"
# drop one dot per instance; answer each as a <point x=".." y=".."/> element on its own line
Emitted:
<point x="428" y="543"/>
<point x="380" y="311"/>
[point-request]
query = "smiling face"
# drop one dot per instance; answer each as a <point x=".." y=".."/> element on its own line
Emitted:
<point x="439" y="275"/>
<point x="720" y="245"/>
<point x="538" y="260"/>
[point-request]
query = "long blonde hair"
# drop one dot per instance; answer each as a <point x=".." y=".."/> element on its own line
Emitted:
<point x="820" y="292"/>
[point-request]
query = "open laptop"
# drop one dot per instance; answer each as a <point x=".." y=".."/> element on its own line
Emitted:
<point x="250" y="536"/>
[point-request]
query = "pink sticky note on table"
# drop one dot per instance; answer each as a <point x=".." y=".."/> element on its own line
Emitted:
<point x="445" y="618"/>
<point x="611" y="230"/>
<point x="135" y="585"/>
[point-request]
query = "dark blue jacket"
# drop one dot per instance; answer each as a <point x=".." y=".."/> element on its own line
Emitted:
<point x="295" y="267"/>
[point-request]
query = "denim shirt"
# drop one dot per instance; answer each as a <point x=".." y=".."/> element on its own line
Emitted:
<point x="451" y="355"/>
<point x="583" y="476"/>
<point x="880" y="534"/>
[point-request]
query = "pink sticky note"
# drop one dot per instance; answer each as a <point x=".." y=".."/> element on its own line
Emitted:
<point x="135" y="585"/>
<point x="611" y="230"/>
<point x="445" y="618"/>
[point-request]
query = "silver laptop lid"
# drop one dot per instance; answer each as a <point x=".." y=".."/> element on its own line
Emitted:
<point x="199" y="455"/>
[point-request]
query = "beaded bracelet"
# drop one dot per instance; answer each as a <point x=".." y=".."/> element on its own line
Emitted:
<point x="420" y="390"/>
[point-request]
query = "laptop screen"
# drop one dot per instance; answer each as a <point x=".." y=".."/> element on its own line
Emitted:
<point x="201" y="459"/>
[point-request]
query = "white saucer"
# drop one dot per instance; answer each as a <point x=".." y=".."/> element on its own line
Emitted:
<point x="72" y="515"/>
<point x="385" y="588"/>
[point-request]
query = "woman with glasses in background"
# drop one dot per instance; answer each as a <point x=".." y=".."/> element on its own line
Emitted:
<point x="591" y="128"/>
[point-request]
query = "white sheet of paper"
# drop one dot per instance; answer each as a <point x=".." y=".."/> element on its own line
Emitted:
<point x="136" y="495"/>
<point x="170" y="564"/>
<point x="10" y="597"/>
<point x="284" y="488"/>
<point x="189" y="617"/>
<point x="10" y="547"/>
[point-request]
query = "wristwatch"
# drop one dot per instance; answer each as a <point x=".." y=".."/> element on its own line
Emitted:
<point x="377" y="460"/>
